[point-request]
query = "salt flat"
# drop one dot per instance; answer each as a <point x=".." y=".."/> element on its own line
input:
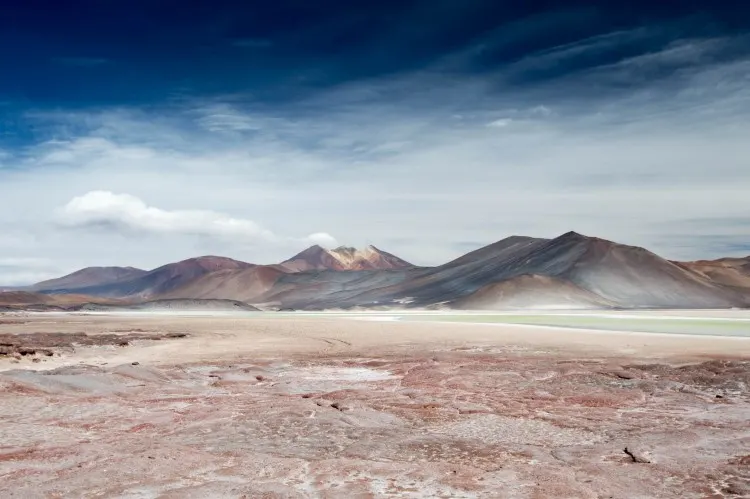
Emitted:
<point x="330" y="405"/>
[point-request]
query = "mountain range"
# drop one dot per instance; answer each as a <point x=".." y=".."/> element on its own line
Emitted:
<point x="571" y="271"/>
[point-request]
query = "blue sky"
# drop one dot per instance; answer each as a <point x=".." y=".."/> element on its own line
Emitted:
<point x="142" y="132"/>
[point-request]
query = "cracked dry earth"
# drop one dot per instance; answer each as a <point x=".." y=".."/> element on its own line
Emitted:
<point x="478" y="422"/>
<point x="212" y="407"/>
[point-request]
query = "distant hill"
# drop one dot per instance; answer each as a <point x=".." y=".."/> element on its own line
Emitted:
<point x="13" y="300"/>
<point x="165" y="279"/>
<point x="90" y="276"/>
<point x="733" y="272"/>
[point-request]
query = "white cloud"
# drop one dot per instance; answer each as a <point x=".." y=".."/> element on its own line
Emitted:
<point x="323" y="239"/>
<point x="124" y="211"/>
<point x="501" y="123"/>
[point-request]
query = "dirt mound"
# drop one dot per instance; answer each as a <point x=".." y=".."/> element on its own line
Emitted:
<point x="176" y="304"/>
<point x="24" y="298"/>
<point x="47" y="344"/>
<point x="27" y="300"/>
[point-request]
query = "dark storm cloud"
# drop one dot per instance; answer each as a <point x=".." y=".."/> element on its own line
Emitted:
<point x="168" y="47"/>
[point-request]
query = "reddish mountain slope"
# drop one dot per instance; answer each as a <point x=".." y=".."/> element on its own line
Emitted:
<point x="727" y="271"/>
<point x="90" y="276"/>
<point x="166" y="278"/>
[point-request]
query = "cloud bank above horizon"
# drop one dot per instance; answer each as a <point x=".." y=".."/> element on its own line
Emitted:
<point x="123" y="212"/>
<point x="426" y="135"/>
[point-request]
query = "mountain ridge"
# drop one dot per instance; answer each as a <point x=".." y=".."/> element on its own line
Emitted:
<point x="569" y="270"/>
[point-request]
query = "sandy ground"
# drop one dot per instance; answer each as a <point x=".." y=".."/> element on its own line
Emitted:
<point x="333" y="407"/>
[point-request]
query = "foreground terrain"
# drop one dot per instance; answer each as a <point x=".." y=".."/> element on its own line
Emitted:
<point x="324" y="406"/>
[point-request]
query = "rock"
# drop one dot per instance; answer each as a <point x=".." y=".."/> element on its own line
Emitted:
<point x="135" y="363"/>
<point x="636" y="456"/>
<point x="339" y="406"/>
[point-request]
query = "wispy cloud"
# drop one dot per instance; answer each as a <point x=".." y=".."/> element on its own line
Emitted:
<point x="222" y="117"/>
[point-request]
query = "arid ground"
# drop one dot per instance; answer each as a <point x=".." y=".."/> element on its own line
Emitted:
<point x="324" y="406"/>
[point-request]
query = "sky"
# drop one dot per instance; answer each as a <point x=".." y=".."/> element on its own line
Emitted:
<point x="142" y="132"/>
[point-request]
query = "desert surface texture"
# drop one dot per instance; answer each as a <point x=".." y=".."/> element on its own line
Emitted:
<point x="375" y="404"/>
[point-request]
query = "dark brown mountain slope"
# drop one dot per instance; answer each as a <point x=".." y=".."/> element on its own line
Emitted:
<point x="244" y="284"/>
<point x="531" y="291"/>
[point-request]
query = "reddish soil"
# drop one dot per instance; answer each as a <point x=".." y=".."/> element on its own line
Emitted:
<point x="47" y="344"/>
<point x="479" y="423"/>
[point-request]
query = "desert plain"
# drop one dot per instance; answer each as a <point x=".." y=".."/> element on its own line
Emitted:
<point x="349" y="405"/>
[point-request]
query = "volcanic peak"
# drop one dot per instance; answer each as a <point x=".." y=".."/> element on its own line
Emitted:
<point x="344" y="258"/>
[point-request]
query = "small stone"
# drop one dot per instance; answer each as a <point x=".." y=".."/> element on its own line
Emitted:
<point x="636" y="457"/>
<point x="135" y="363"/>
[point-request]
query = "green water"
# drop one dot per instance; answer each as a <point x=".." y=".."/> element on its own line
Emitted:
<point x="671" y="325"/>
